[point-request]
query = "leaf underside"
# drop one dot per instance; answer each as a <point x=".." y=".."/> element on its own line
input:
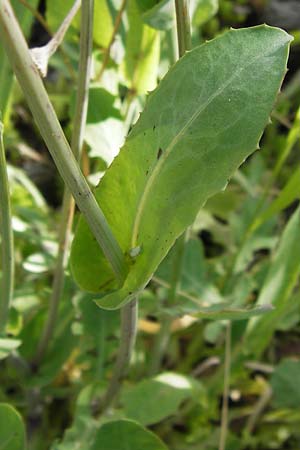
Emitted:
<point x="198" y="126"/>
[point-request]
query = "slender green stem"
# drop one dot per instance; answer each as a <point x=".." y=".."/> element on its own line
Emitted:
<point x="66" y="221"/>
<point x="128" y="338"/>
<point x="163" y="337"/>
<point x="7" y="250"/>
<point x="112" y="39"/>
<point x="224" y="417"/>
<point x="183" y="26"/>
<point x="51" y="131"/>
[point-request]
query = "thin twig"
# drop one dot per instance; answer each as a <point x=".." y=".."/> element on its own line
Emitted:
<point x="227" y="363"/>
<point x="7" y="244"/>
<point x="27" y="74"/>
<point x="259" y="407"/>
<point x="128" y="338"/>
<point x="38" y="16"/>
<point x="106" y="54"/>
<point x="66" y="221"/>
<point x="41" y="55"/>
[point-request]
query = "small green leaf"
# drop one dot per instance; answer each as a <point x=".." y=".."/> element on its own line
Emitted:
<point x="281" y="279"/>
<point x="12" y="430"/>
<point x="205" y="118"/>
<point x="154" y="399"/>
<point x="222" y="311"/>
<point x="285" y="384"/>
<point x="206" y="9"/>
<point x="125" y="435"/>
<point x="103" y="23"/>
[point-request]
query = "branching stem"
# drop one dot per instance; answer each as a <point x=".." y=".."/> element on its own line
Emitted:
<point x="41" y="55"/>
<point x="51" y="131"/>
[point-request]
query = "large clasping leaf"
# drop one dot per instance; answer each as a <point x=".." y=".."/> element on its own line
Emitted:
<point x="198" y="126"/>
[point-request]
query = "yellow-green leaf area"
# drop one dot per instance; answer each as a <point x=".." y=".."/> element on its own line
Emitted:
<point x="124" y="435"/>
<point x="12" y="431"/>
<point x="140" y="65"/>
<point x="206" y="116"/>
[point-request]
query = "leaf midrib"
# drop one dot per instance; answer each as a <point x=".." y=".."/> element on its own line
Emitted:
<point x="155" y="172"/>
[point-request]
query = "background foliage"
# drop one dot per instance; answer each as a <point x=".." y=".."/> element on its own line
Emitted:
<point x="243" y="252"/>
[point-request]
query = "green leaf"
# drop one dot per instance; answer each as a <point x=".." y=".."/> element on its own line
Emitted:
<point x="140" y="65"/>
<point x="12" y="430"/>
<point x="103" y="21"/>
<point x="288" y="194"/>
<point x="281" y="279"/>
<point x="154" y="399"/>
<point x="195" y="287"/>
<point x="124" y="435"/>
<point x="56" y="12"/>
<point x="291" y="190"/>
<point x="104" y="131"/>
<point x="205" y="118"/>
<point x="206" y="9"/>
<point x="161" y="16"/>
<point x="222" y="311"/>
<point x="285" y="385"/>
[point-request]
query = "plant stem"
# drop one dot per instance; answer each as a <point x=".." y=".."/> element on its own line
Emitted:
<point x="112" y="39"/>
<point x="51" y="131"/>
<point x="7" y="253"/>
<point x="224" y="417"/>
<point x="66" y="221"/>
<point x="128" y="337"/>
<point x="38" y="16"/>
<point x="183" y="26"/>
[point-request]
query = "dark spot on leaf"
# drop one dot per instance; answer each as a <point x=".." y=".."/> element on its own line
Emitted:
<point x="154" y="126"/>
<point x="147" y="171"/>
<point x="159" y="153"/>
